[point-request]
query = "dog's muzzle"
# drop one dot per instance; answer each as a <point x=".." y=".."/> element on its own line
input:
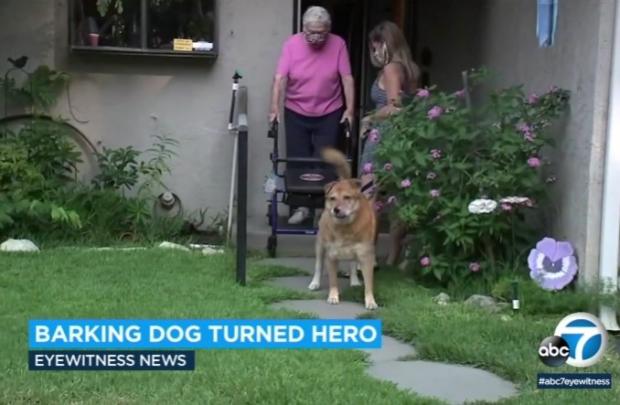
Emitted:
<point x="339" y="213"/>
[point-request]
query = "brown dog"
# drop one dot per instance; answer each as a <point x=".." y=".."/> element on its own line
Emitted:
<point x="346" y="231"/>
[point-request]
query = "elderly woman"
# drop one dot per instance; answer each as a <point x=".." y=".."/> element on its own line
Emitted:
<point x="313" y="69"/>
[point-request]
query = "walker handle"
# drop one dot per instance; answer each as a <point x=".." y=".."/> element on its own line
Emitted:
<point x="273" y="129"/>
<point x="347" y="128"/>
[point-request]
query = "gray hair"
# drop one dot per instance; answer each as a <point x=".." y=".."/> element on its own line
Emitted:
<point x="316" y="14"/>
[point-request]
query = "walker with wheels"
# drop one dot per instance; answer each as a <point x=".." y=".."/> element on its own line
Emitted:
<point x="299" y="188"/>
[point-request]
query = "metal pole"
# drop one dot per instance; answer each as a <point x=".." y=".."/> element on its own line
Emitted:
<point x="231" y="127"/>
<point x="144" y="24"/>
<point x="242" y="196"/>
<point x="231" y="197"/>
<point x="235" y="87"/>
<point x="465" y="76"/>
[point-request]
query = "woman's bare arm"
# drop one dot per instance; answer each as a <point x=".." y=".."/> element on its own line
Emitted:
<point x="393" y="83"/>
<point x="276" y="94"/>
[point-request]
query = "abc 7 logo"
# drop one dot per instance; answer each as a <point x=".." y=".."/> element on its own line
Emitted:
<point x="579" y="340"/>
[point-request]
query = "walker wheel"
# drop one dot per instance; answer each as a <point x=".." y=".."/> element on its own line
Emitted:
<point x="272" y="243"/>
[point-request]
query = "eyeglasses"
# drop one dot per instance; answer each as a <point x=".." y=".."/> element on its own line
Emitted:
<point x="315" y="35"/>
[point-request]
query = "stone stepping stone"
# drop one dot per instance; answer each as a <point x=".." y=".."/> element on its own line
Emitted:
<point x="320" y="308"/>
<point x="305" y="264"/>
<point x="453" y="384"/>
<point x="300" y="283"/>
<point x="391" y="349"/>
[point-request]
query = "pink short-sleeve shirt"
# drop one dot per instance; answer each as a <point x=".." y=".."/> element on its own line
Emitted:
<point x="313" y="74"/>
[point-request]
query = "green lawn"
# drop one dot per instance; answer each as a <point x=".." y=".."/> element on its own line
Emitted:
<point x="77" y="283"/>
<point x="65" y="283"/>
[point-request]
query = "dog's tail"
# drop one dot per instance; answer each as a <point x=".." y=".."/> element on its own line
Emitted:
<point x="337" y="159"/>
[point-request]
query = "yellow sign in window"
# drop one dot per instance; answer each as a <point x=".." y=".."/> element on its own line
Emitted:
<point x="183" y="44"/>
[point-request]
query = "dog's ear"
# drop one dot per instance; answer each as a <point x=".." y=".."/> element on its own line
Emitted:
<point x="328" y="187"/>
<point x="356" y="183"/>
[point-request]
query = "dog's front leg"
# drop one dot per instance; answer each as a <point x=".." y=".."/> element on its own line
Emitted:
<point x="319" y="252"/>
<point x="367" y="261"/>
<point x="332" y="271"/>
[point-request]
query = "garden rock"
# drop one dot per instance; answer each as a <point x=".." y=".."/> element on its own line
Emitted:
<point x="170" y="245"/>
<point x="211" y="251"/>
<point x="485" y="302"/>
<point x="442" y="299"/>
<point x="18" y="245"/>
<point x="122" y="249"/>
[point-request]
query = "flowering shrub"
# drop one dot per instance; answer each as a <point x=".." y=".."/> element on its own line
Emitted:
<point x="464" y="178"/>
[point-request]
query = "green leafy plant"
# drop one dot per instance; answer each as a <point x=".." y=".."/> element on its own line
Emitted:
<point x="39" y="192"/>
<point x="39" y="92"/>
<point x="118" y="168"/>
<point x="104" y="6"/>
<point x="33" y="163"/>
<point x="466" y="180"/>
<point x="36" y="157"/>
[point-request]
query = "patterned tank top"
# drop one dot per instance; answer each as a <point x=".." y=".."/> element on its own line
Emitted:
<point x="379" y="95"/>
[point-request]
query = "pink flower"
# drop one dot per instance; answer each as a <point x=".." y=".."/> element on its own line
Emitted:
<point x="431" y="176"/>
<point x="460" y="93"/>
<point x="435" y="193"/>
<point x="532" y="99"/>
<point x="378" y="205"/>
<point x="391" y="199"/>
<point x="529" y="136"/>
<point x="370" y="191"/>
<point x="533" y="162"/>
<point x="405" y="183"/>
<point x="434" y="112"/>
<point x="423" y="93"/>
<point x="436" y="153"/>
<point x="506" y="207"/>
<point x="387" y="167"/>
<point x="474" y="267"/>
<point x="523" y="127"/>
<point x="374" y="135"/>
<point x="367" y="168"/>
<point x="425" y="261"/>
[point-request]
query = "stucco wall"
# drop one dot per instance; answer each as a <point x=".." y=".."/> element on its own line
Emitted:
<point x="120" y="95"/>
<point x="502" y="36"/>
<point x="27" y="28"/>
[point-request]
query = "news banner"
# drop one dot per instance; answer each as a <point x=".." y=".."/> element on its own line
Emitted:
<point x="171" y="344"/>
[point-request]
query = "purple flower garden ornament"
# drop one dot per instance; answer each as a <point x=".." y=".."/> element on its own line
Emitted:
<point x="552" y="264"/>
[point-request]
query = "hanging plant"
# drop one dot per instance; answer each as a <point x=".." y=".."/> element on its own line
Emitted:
<point x="104" y="5"/>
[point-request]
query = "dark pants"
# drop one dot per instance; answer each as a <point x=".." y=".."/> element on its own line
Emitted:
<point x="306" y="136"/>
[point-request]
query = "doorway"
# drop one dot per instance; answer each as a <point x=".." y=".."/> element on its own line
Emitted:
<point x="352" y="20"/>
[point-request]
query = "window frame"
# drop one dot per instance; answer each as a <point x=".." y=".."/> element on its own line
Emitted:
<point x="143" y="50"/>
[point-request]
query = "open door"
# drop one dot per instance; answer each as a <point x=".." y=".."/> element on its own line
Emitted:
<point x="352" y="20"/>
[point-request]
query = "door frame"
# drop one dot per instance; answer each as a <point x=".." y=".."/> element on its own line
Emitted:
<point x="610" y="224"/>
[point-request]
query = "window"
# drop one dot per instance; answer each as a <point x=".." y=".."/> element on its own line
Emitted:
<point x="144" y="27"/>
